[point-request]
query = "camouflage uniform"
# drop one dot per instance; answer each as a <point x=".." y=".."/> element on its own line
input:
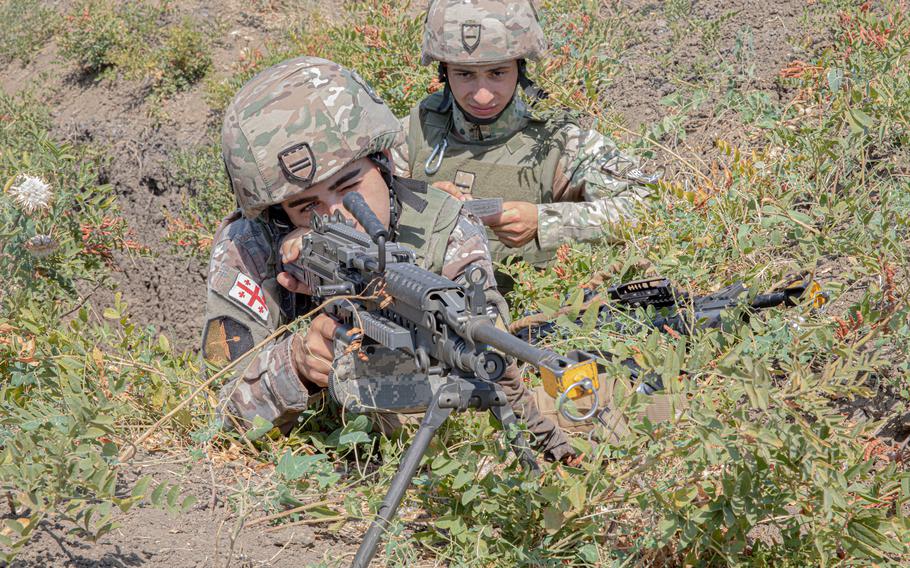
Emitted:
<point x="581" y="182"/>
<point x="584" y="187"/>
<point x="310" y="118"/>
<point x="594" y="186"/>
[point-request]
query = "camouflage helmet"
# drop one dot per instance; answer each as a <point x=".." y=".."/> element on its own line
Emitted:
<point x="479" y="32"/>
<point x="297" y="124"/>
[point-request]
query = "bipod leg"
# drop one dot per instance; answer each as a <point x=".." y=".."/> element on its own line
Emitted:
<point x="434" y="417"/>
<point x="515" y="436"/>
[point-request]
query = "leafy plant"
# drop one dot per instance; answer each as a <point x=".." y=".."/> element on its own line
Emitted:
<point x="183" y="59"/>
<point x="92" y="33"/>
<point x="67" y="382"/>
<point x="27" y="28"/>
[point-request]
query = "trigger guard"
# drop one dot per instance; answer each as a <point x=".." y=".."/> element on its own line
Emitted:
<point x="587" y="385"/>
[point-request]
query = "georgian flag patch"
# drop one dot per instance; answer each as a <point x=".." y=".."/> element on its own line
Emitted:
<point x="249" y="294"/>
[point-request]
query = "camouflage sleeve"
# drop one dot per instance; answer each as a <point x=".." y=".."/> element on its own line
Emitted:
<point x="594" y="191"/>
<point x="400" y="150"/>
<point x="468" y="245"/>
<point x="242" y="310"/>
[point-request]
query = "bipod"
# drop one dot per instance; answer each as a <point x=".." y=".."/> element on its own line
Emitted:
<point x="458" y="394"/>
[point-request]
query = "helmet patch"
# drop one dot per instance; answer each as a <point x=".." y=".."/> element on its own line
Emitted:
<point x="298" y="162"/>
<point x="470" y="36"/>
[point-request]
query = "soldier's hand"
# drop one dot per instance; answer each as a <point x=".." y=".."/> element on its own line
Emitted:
<point x="516" y="225"/>
<point x="452" y="190"/>
<point x="290" y="250"/>
<point x="314" y="352"/>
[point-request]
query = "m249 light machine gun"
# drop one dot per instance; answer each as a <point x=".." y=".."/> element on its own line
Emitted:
<point x="676" y="312"/>
<point x="684" y="313"/>
<point x="424" y="343"/>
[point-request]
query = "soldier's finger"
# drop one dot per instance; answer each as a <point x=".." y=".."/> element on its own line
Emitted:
<point x="294" y="285"/>
<point x="290" y="250"/>
<point x="451" y="189"/>
<point x="509" y="229"/>
<point x="505" y="217"/>
<point x="325" y="326"/>
<point x="318" y="370"/>
<point x="515" y="240"/>
<point x="290" y="246"/>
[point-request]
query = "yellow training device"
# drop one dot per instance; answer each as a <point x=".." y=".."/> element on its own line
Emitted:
<point x="565" y="376"/>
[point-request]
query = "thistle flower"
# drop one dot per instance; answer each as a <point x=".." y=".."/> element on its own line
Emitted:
<point x="41" y="246"/>
<point x="32" y="193"/>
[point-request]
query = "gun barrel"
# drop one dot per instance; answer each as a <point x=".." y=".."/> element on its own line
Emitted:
<point x="790" y="296"/>
<point x="486" y="333"/>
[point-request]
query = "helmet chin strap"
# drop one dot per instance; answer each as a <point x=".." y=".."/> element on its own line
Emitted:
<point x="531" y="90"/>
<point x="385" y="168"/>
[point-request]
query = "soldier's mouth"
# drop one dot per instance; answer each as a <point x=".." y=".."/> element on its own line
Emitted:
<point x="483" y="112"/>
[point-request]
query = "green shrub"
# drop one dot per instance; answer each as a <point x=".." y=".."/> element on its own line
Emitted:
<point x="91" y="35"/>
<point x="27" y="28"/>
<point x="184" y="59"/>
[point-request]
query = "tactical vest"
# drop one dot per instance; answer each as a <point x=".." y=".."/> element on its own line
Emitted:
<point x="428" y="231"/>
<point x="518" y="168"/>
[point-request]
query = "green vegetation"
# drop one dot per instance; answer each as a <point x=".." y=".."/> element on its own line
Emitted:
<point x="210" y="199"/>
<point x="105" y="38"/>
<point x="183" y="59"/>
<point x="26" y="28"/>
<point x="764" y="465"/>
<point x="71" y="381"/>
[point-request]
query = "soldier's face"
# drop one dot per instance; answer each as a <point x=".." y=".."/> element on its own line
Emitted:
<point x="324" y="198"/>
<point x="483" y="90"/>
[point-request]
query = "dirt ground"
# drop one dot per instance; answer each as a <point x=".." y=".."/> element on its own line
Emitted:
<point x="167" y="290"/>
<point x="210" y="534"/>
<point x="660" y="63"/>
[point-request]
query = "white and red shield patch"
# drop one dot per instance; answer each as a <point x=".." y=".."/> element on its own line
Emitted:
<point x="249" y="294"/>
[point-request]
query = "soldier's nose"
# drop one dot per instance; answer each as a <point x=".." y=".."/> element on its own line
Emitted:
<point x="337" y="206"/>
<point x="483" y="97"/>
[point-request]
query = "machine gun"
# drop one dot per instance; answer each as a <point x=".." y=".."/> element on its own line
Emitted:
<point x="423" y="342"/>
<point x="677" y="311"/>
<point x="684" y="313"/>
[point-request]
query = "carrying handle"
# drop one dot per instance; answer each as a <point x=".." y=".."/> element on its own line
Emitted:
<point x="357" y="206"/>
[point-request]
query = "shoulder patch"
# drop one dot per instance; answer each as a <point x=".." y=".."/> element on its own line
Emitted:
<point x="225" y="339"/>
<point x="248" y="294"/>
